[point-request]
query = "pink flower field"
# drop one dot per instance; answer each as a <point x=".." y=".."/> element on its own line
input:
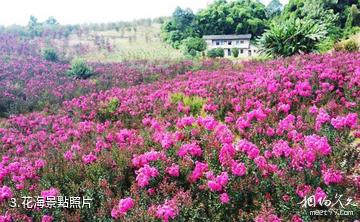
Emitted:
<point x="225" y="144"/>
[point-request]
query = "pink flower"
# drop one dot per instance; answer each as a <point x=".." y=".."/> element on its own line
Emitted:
<point x="260" y="162"/>
<point x="52" y="192"/>
<point x="214" y="186"/>
<point x="238" y="169"/>
<point x="224" y="198"/>
<point x="286" y="198"/>
<point x="166" y="212"/>
<point x="146" y="158"/>
<point x="332" y="176"/>
<point x="321" y="118"/>
<point x="281" y="148"/>
<point x="303" y="190"/>
<point x="5" y="218"/>
<point x="209" y="123"/>
<point x="320" y="195"/>
<point x="39" y="164"/>
<point x="47" y="218"/>
<point x="313" y="110"/>
<point x="222" y="179"/>
<point x="5" y="193"/>
<point x="68" y="155"/>
<point x="190" y="149"/>
<point x="144" y="174"/>
<point x="248" y="147"/>
<point x="287" y="123"/>
<point x="88" y="159"/>
<point x="173" y="170"/>
<point x="226" y="155"/>
<point x="345" y="121"/>
<point x="123" y="207"/>
<point x="296" y="218"/>
<point x="317" y="144"/>
<point x="303" y="89"/>
<point x="200" y="169"/>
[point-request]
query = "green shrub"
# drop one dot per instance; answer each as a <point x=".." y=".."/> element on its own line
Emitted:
<point x="50" y="54"/>
<point x="107" y="113"/>
<point x="80" y="69"/>
<point x="214" y="53"/>
<point x="193" y="46"/>
<point x="339" y="46"/>
<point x="235" y="52"/>
<point x="293" y="36"/>
<point x="194" y="102"/>
<point x="351" y="46"/>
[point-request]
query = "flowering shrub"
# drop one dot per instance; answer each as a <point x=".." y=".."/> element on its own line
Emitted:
<point x="260" y="141"/>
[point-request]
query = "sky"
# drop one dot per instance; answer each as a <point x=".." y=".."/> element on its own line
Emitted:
<point x="93" y="11"/>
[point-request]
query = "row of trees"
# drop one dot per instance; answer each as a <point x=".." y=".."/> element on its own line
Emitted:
<point x="52" y="28"/>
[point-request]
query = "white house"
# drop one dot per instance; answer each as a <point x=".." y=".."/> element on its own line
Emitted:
<point x="228" y="42"/>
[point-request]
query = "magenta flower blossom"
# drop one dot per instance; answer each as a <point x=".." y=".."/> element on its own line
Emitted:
<point x="166" y="212"/>
<point x="224" y="198"/>
<point x="331" y="176"/>
<point x="281" y="148"/>
<point x="345" y="121"/>
<point x="47" y="218"/>
<point x="214" y="186"/>
<point x="317" y="144"/>
<point x="88" y="159"/>
<point x="52" y="192"/>
<point x="321" y="118"/>
<point x="190" y="149"/>
<point x="68" y="155"/>
<point x="303" y="190"/>
<point x="197" y="173"/>
<point x="238" y="169"/>
<point x="5" y="193"/>
<point x="173" y="170"/>
<point x="122" y="208"/>
<point x="144" y="174"/>
<point x="320" y="195"/>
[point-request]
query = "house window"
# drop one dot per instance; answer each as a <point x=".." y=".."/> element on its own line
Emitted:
<point x="241" y="51"/>
<point x="217" y="42"/>
<point x="242" y="41"/>
<point x="229" y="52"/>
<point x="249" y="52"/>
<point x="229" y="42"/>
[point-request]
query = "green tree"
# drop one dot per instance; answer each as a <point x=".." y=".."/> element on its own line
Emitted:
<point x="179" y="27"/>
<point x="51" y="21"/>
<point x="274" y="8"/>
<point x="193" y="45"/>
<point x="242" y="16"/>
<point x="35" y="28"/>
<point x="292" y="37"/>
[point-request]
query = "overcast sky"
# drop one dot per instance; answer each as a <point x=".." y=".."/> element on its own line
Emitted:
<point x="83" y="11"/>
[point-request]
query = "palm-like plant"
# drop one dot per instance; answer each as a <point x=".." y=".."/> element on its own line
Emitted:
<point x="291" y="37"/>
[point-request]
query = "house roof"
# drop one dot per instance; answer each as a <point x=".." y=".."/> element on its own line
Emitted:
<point x="226" y="37"/>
